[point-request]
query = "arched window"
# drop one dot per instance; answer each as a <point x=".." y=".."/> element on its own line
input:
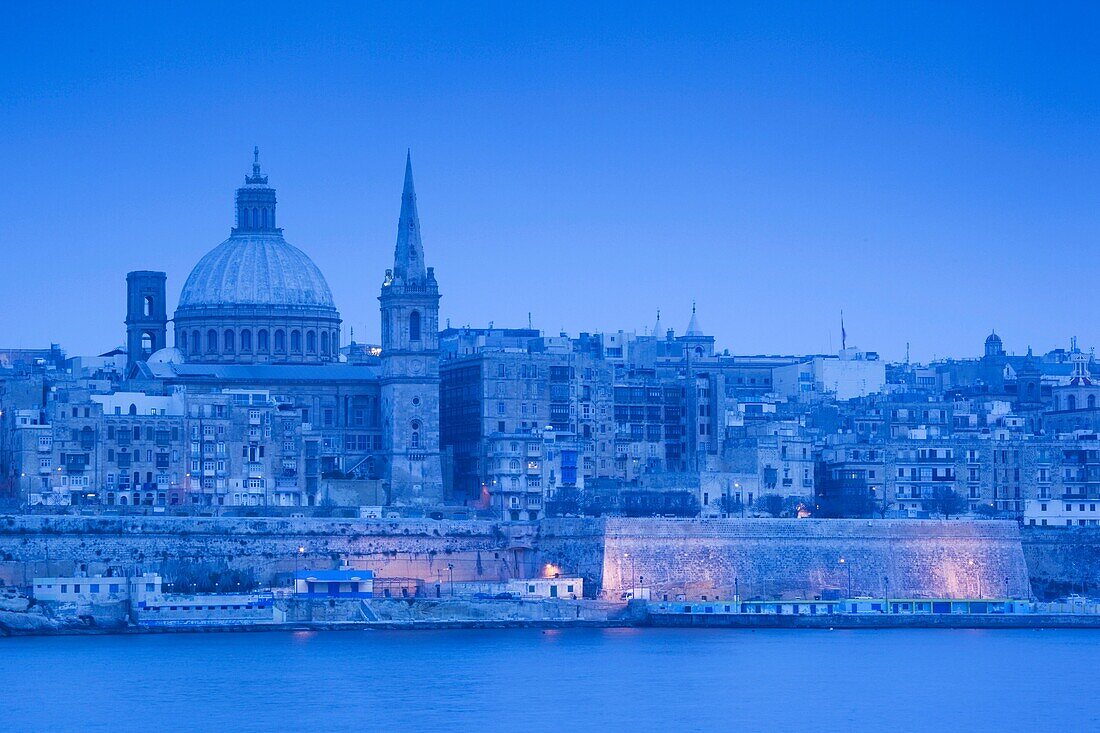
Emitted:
<point x="296" y="341"/>
<point x="324" y="343"/>
<point x="229" y="341"/>
<point x="1092" y="402"/>
<point x="149" y="305"/>
<point x="212" y="341"/>
<point x="1071" y="403"/>
<point x="414" y="326"/>
<point x="513" y="464"/>
<point x="414" y="439"/>
<point x="196" y="343"/>
<point x="246" y="341"/>
<point x="133" y="409"/>
<point x="311" y="342"/>
<point x="335" y="342"/>
<point x="280" y="341"/>
<point x="148" y="342"/>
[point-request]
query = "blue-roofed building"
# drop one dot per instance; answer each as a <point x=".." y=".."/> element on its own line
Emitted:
<point x="343" y="582"/>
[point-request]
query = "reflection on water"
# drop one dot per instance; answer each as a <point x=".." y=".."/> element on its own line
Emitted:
<point x="552" y="680"/>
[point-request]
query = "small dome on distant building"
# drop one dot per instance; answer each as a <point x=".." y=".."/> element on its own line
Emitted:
<point x="170" y="355"/>
<point x="993" y="345"/>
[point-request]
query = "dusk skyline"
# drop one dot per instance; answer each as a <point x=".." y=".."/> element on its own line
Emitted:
<point x="929" y="173"/>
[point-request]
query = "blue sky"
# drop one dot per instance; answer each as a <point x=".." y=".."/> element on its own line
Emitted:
<point x="930" y="170"/>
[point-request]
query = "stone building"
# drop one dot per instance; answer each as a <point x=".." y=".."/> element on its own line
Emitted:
<point x="523" y="422"/>
<point x="1076" y="404"/>
<point x="89" y="449"/>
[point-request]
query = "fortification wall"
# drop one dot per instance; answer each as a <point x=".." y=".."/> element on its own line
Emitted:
<point x="1062" y="560"/>
<point x="759" y="557"/>
<point x="797" y="557"/>
<point x="265" y="550"/>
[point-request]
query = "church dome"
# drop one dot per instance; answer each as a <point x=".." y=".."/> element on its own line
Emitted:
<point x="993" y="345"/>
<point x="256" y="269"/>
<point x="256" y="298"/>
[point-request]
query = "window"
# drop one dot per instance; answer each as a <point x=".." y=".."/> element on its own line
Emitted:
<point x="261" y="341"/>
<point x="324" y="343"/>
<point x="311" y="342"/>
<point x="414" y="326"/>
<point x="148" y="306"/>
<point x="280" y="341"/>
<point x="246" y="341"/>
<point x="295" y="341"/>
<point x="147" y="342"/>
<point x="228" y="342"/>
<point x="196" y="343"/>
<point x="212" y="341"/>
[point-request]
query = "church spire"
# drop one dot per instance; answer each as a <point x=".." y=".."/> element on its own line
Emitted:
<point x="408" y="258"/>
<point x="693" y="324"/>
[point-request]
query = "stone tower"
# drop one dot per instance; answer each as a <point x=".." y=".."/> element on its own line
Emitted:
<point x="410" y="366"/>
<point x="146" y="315"/>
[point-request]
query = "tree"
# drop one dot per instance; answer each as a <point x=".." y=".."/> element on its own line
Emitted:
<point x="769" y="504"/>
<point x="948" y="501"/>
<point x="985" y="510"/>
<point x="731" y="504"/>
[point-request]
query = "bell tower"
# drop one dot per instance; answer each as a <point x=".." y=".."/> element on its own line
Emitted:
<point x="410" y="365"/>
<point x="146" y="315"/>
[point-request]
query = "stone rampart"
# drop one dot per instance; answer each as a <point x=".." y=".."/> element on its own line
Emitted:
<point x="758" y="557"/>
<point x="795" y="557"/>
<point x="1062" y="560"/>
<point x="265" y="550"/>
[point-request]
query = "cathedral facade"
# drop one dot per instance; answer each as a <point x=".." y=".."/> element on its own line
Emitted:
<point x="256" y="314"/>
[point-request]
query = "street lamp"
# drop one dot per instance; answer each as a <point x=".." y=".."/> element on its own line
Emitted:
<point x="886" y="582"/>
<point x="451" y="577"/>
<point x="627" y="555"/>
<point x="294" y="581"/>
<point x="845" y="563"/>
